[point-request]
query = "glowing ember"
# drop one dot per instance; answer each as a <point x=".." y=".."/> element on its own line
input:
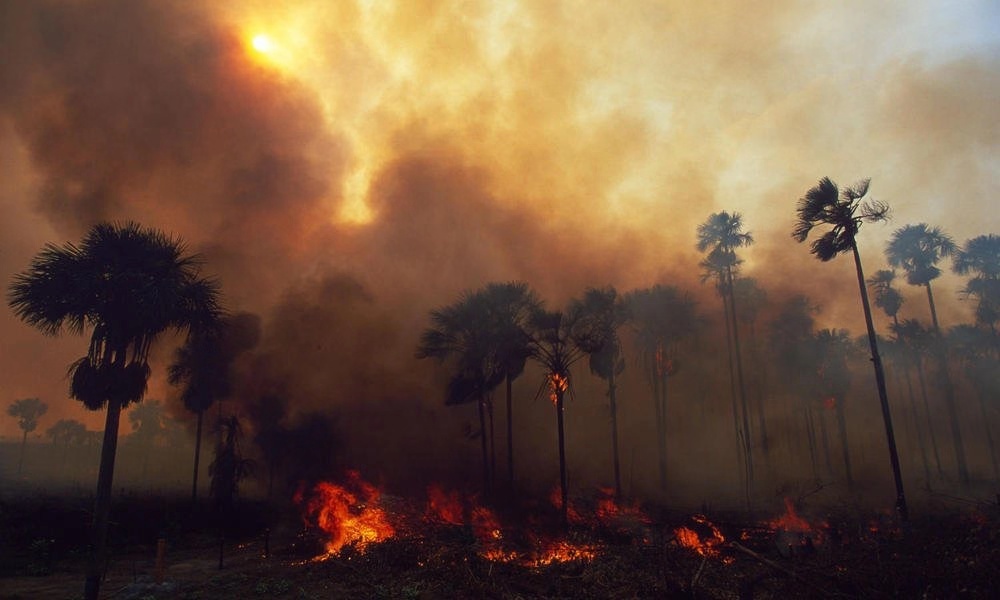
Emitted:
<point x="348" y="514"/>
<point x="558" y="384"/>
<point x="444" y="507"/>
<point x="707" y="545"/>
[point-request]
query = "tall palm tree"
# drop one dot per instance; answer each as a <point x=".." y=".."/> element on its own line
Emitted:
<point x="887" y="297"/>
<point x="973" y="346"/>
<point x="509" y="306"/>
<point x="981" y="256"/>
<point x="602" y="312"/>
<point x="201" y="368"/>
<point x="663" y="317"/>
<point x="127" y="284"/>
<point x="461" y="333"/>
<point x="751" y="299"/>
<point x="845" y="210"/>
<point x="916" y="342"/>
<point x="555" y="348"/>
<point x="721" y="235"/>
<point x="918" y="249"/>
<point x="834" y="381"/>
<point x="26" y="411"/>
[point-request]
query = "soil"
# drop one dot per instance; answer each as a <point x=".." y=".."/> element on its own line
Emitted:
<point x="269" y="555"/>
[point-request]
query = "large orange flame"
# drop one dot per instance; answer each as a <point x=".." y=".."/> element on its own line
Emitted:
<point x="349" y="514"/>
<point x="707" y="545"/>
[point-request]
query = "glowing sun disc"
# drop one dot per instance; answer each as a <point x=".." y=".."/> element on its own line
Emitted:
<point x="262" y="43"/>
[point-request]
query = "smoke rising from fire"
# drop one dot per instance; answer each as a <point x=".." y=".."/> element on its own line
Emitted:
<point x="386" y="157"/>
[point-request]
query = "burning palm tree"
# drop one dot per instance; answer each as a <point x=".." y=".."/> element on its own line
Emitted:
<point x="555" y="348"/>
<point x="845" y="211"/>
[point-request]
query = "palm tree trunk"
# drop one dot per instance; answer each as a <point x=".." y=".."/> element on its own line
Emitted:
<point x="102" y="502"/>
<point x="927" y="413"/>
<point x="510" y="436"/>
<point x="657" y="410"/>
<point x="487" y="490"/>
<point x="916" y="424"/>
<point x="842" y="428"/>
<point x="20" y="460"/>
<point x="811" y="438"/>
<point x="740" y="461"/>
<point x="880" y="384"/>
<point x="761" y="390"/>
<point x="747" y="434"/>
<point x="825" y="440"/>
<point x="662" y="439"/>
<point x="949" y="392"/>
<point x="614" y="433"/>
<point x="989" y="435"/>
<point x="493" y="447"/>
<point x="564" y="493"/>
<point x="197" y="457"/>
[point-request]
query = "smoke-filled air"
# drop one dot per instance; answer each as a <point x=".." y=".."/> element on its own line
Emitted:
<point x="641" y="215"/>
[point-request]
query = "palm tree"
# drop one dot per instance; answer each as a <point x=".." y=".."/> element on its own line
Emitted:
<point x="981" y="256"/>
<point x="721" y="235"/>
<point x="844" y="210"/>
<point x="510" y="305"/>
<point x="555" y="348"/>
<point x="663" y="316"/>
<point x="982" y="368"/>
<point x="201" y="367"/>
<point x="834" y="381"/>
<point x="916" y="342"/>
<point x="751" y="299"/>
<point x="887" y="297"/>
<point x="918" y="249"/>
<point x="602" y="313"/>
<point x="26" y="411"/>
<point x="66" y="432"/>
<point x="461" y="333"/>
<point x="147" y="426"/>
<point x="127" y="284"/>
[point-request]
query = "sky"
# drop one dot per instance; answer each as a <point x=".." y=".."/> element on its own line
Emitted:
<point x="344" y="167"/>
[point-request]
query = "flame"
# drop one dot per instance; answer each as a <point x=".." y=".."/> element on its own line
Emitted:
<point x="608" y="509"/>
<point x="558" y="383"/>
<point x="348" y="517"/>
<point x="803" y="533"/>
<point x="830" y="403"/>
<point x="444" y="507"/>
<point x="707" y="546"/>
<point x="572" y="514"/>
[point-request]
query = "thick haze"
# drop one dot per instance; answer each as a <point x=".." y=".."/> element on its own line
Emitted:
<point x="381" y="157"/>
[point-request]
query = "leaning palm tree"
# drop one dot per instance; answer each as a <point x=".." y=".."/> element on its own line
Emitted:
<point x="721" y="235"/>
<point x="918" y="249"/>
<point x="602" y="313"/>
<point x="555" y="348"/>
<point x="663" y="317"/>
<point x="126" y="284"/>
<point x="26" y="411"/>
<point x="845" y="211"/>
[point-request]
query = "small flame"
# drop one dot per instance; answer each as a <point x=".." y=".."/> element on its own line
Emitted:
<point x="707" y="546"/>
<point x="444" y="507"/>
<point x="830" y="403"/>
<point x="348" y="516"/>
<point x="558" y="384"/>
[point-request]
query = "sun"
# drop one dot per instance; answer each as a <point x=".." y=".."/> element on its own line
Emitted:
<point x="262" y="43"/>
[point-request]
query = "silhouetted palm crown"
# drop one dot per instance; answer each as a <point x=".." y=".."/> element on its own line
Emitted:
<point x="918" y="249"/>
<point x="825" y="204"/>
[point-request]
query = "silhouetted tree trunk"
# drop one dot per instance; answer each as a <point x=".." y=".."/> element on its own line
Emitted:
<point x="487" y="488"/>
<point x="744" y="405"/>
<point x="811" y="438"/>
<point x="842" y="428"/>
<point x="915" y="415"/>
<point x="922" y="381"/>
<point x="510" y="435"/>
<point x="614" y="433"/>
<point x="890" y="436"/>
<point x="563" y="490"/>
<point x="20" y="460"/>
<point x="197" y="458"/>
<point x="740" y="446"/>
<point x="102" y="502"/>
